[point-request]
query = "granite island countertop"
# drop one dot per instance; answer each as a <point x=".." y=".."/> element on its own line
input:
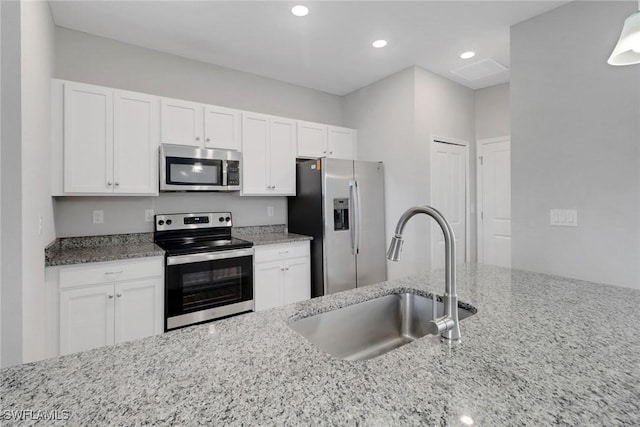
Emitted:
<point x="541" y="350"/>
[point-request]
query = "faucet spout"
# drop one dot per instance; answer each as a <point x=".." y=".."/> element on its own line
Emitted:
<point x="448" y="325"/>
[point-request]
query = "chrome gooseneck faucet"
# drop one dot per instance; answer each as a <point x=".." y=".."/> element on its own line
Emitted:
<point x="448" y="325"/>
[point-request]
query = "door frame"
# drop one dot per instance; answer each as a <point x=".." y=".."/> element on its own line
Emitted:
<point x="433" y="139"/>
<point x="480" y="143"/>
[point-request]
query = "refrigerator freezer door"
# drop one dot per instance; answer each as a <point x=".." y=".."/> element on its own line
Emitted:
<point x="339" y="260"/>
<point x="371" y="259"/>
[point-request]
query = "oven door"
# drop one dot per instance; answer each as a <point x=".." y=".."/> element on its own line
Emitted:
<point x="206" y="286"/>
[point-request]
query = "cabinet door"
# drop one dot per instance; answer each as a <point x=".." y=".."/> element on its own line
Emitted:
<point x="312" y="140"/>
<point x="341" y="143"/>
<point x="282" y="152"/>
<point x="255" y="154"/>
<point x="268" y="285"/>
<point x="222" y="127"/>
<point x="86" y="318"/>
<point x="297" y="280"/>
<point x="88" y="139"/>
<point x="138" y="309"/>
<point x="136" y="131"/>
<point x="181" y="122"/>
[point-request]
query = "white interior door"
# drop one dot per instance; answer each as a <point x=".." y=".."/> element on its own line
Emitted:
<point x="449" y="196"/>
<point x="494" y="203"/>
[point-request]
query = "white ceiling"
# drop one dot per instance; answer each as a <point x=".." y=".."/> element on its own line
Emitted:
<point x="329" y="49"/>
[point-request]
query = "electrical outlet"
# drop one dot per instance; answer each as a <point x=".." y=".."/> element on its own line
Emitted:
<point x="270" y="211"/>
<point x="148" y="215"/>
<point x="563" y="218"/>
<point x="98" y="217"/>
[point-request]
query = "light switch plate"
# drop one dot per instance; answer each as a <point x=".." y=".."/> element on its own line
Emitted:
<point x="563" y="217"/>
<point x="98" y="217"/>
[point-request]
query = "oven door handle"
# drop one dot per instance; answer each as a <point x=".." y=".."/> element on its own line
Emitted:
<point x="208" y="256"/>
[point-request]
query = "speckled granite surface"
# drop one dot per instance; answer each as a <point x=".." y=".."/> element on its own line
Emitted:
<point x="79" y="250"/>
<point x="268" y="235"/>
<point x="541" y="350"/>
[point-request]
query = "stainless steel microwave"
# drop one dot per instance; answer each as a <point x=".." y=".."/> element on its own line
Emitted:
<point x="185" y="168"/>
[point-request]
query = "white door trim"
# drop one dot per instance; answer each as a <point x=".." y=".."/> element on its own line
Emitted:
<point x="448" y="140"/>
<point x="480" y="143"/>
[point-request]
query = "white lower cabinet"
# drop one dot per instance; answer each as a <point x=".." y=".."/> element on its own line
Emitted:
<point x="108" y="303"/>
<point x="282" y="274"/>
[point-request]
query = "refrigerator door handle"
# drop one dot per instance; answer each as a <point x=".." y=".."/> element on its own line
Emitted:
<point x="358" y="217"/>
<point x="352" y="216"/>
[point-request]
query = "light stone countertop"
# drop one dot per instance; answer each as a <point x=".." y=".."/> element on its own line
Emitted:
<point x="541" y="350"/>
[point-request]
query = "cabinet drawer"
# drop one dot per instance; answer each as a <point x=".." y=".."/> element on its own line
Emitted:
<point x="110" y="272"/>
<point x="281" y="251"/>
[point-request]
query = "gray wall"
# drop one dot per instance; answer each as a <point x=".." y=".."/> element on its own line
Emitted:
<point x="11" y="181"/>
<point x="37" y="41"/>
<point x="395" y="118"/>
<point x="92" y="59"/>
<point x="575" y="145"/>
<point x="492" y="112"/>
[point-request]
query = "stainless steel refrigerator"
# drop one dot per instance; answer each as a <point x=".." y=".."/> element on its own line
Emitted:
<point x="341" y="204"/>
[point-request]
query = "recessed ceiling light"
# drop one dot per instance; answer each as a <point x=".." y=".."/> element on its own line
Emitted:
<point x="300" y="10"/>
<point x="467" y="55"/>
<point x="379" y="43"/>
<point x="466" y="420"/>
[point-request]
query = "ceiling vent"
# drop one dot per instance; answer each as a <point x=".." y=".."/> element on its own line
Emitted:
<point x="480" y="69"/>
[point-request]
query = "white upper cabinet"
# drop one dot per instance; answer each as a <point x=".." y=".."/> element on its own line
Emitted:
<point x="199" y="125"/>
<point x="312" y="140"/>
<point x="282" y="150"/>
<point x="318" y="140"/>
<point x="268" y="155"/>
<point x="135" y="143"/>
<point x="88" y="139"/>
<point x="222" y="128"/>
<point x="182" y="122"/>
<point x="109" y="143"/>
<point x="341" y="143"/>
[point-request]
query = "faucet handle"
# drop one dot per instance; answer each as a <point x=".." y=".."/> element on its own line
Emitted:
<point x="441" y="325"/>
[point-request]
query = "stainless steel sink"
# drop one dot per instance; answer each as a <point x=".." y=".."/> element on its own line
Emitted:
<point x="372" y="328"/>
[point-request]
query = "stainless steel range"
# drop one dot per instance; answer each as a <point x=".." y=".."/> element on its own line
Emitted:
<point x="208" y="273"/>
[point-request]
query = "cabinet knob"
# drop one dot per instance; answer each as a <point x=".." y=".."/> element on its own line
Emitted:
<point x="324" y="152"/>
<point x="208" y="139"/>
<point x="110" y="296"/>
<point x="117" y="183"/>
<point x="118" y="294"/>
<point x="197" y="138"/>
<point x="330" y="152"/>
<point x="108" y="183"/>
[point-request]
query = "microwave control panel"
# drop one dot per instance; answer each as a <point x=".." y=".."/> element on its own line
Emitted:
<point x="233" y="172"/>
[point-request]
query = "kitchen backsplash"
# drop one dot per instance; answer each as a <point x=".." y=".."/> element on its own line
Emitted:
<point x="74" y="215"/>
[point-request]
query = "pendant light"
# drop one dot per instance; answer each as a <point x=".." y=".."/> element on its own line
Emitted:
<point x="627" y="51"/>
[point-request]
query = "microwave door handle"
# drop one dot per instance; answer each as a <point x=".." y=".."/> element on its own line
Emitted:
<point x="225" y="165"/>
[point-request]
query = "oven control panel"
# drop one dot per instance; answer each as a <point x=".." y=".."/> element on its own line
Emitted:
<point x="192" y="221"/>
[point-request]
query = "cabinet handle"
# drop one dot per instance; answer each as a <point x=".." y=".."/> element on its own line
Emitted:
<point x="118" y="294"/>
<point x="208" y="139"/>
<point x="110" y="296"/>
<point x="197" y="138"/>
<point x="117" y="183"/>
<point x="112" y="273"/>
<point x="330" y="152"/>
<point x="108" y="183"/>
<point x="324" y="152"/>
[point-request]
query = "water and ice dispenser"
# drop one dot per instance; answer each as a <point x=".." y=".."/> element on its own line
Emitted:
<point x="340" y="214"/>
